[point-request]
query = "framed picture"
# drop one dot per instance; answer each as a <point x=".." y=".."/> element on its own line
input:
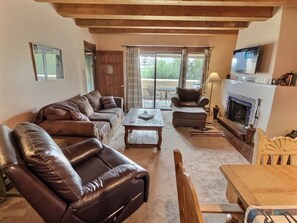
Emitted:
<point x="48" y="64"/>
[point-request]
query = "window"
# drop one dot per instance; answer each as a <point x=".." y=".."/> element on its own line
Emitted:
<point x="48" y="63"/>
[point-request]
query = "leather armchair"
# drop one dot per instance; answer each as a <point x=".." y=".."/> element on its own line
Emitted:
<point x="84" y="182"/>
<point x="186" y="97"/>
<point x="188" y="108"/>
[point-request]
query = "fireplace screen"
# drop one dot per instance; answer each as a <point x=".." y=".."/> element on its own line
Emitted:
<point x="239" y="110"/>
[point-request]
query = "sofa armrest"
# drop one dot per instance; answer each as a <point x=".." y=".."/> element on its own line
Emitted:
<point x="107" y="183"/>
<point x="202" y="101"/>
<point x="70" y="128"/>
<point x="175" y="99"/>
<point x="81" y="151"/>
<point x="119" y="101"/>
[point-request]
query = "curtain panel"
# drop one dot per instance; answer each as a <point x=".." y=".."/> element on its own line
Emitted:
<point x="134" y="92"/>
<point x="207" y="55"/>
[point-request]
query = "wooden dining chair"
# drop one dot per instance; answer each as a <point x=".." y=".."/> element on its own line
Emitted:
<point x="278" y="150"/>
<point x="190" y="211"/>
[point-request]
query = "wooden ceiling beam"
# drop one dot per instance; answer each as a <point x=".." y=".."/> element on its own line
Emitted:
<point x="100" y="23"/>
<point x="164" y="12"/>
<point x="181" y="2"/>
<point x="160" y="31"/>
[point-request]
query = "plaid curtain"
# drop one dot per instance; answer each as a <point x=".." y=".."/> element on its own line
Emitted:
<point x="207" y="55"/>
<point x="134" y="92"/>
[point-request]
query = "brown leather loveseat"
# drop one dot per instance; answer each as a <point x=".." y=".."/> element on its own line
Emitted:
<point x="84" y="182"/>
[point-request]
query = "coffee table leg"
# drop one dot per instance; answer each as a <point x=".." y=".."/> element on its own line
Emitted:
<point x="126" y="138"/>
<point x="159" y="139"/>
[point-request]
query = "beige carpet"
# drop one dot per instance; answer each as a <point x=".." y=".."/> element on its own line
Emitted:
<point x="202" y="157"/>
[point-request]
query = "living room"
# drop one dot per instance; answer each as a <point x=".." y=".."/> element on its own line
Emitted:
<point x="23" y="22"/>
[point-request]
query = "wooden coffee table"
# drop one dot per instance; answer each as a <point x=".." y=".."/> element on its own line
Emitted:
<point x="133" y="122"/>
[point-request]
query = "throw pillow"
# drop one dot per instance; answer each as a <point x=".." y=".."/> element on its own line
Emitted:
<point x="108" y="102"/>
<point x="79" y="116"/>
<point x="52" y="113"/>
<point x="84" y="105"/>
<point x="94" y="99"/>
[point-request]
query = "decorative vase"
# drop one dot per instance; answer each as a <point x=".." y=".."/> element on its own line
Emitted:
<point x="249" y="134"/>
<point x="216" y="110"/>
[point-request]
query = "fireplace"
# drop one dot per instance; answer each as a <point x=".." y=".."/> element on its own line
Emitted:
<point x="240" y="109"/>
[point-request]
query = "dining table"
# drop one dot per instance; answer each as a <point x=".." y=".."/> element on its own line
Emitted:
<point x="261" y="185"/>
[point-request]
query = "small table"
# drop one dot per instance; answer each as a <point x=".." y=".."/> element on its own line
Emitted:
<point x="133" y="122"/>
<point x="166" y="90"/>
<point x="262" y="185"/>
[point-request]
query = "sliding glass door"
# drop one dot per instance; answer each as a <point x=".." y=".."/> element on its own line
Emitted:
<point x="167" y="74"/>
<point x="159" y="78"/>
<point x="160" y="75"/>
<point x="195" y="64"/>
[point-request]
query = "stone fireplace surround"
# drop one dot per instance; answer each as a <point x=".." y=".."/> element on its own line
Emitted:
<point x="245" y="106"/>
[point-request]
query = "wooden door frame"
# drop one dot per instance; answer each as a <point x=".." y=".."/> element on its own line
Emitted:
<point x="92" y="47"/>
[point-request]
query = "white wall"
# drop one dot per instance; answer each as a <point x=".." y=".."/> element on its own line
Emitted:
<point x="22" y="22"/>
<point x="220" y="60"/>
<point x="267" y="35"/>
<point x="287" y="44"/>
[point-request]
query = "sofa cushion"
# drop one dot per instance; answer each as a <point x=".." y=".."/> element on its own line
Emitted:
<point x="188" y="94"/>
<point x="94" y="99"/>
<point x="107" y="117"/>
<point x="52" y="113"/>
<point x="116" y="111"/>
<point x="78" y="116"/>
<point x="84" y="105"/>
<point x="188" y="104"/>
<point x="46" y="159"/>
<point x="108" y="102"/>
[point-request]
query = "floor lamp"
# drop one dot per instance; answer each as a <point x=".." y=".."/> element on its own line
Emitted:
<point x="214" y="76"/>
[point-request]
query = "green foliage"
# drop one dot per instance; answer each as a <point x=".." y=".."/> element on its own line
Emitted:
<point x="50" y="63"/>
<point x="169" y="68"/>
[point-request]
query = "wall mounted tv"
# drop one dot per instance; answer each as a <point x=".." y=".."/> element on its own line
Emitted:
<point x="245" y="60"/>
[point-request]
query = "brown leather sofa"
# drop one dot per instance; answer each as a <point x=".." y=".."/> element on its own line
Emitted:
<point x="84" y="182"/>
<point x="81" y="118"/>
<point x="188" y="108"/>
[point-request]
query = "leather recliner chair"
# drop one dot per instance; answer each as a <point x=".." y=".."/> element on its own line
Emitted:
<point x="84" y="182"/>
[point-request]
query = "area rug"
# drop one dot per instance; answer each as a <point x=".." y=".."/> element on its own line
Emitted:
<point x="202" y="158"/>
<point x="209" y="130"/>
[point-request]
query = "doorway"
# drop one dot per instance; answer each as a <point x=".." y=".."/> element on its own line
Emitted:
<point x="110" y="76"/>
<point x="89" y="54"/>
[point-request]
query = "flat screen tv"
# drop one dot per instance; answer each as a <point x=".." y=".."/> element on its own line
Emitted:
<point x="245" y="60"/>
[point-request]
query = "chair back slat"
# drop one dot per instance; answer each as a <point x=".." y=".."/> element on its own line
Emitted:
<point x="293" y="159"/>
<point x="274" y="159"/>
<point x="281" y="150"/>
<point x="265" y="159"/>
<point x="285" y="159"/>
<point x="189" y="208"/>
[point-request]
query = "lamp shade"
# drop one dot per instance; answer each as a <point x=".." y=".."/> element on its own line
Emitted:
<point x="214" y="76"/>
